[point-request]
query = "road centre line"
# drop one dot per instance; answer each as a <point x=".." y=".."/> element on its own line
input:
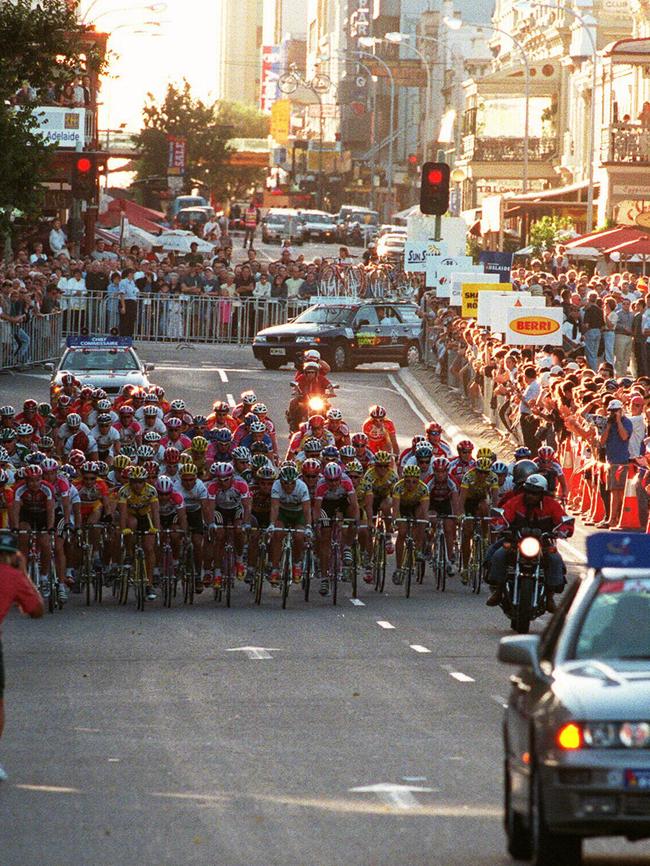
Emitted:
<point x="382" y="623"/>
<point x="499" y="699"/>
<point x="419" y="648"/>
<point x="231" y="401"/>
<point x="222" y="375"/>
<point x="357" y="602"/>
<point x="462" y="678"/>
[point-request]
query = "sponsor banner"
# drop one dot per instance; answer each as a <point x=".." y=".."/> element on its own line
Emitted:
<point x="489" y="302"/>
<point x="271" y="65"/>
<point x="499" y="311"/>
<point x="470" y="293"/>
<point x="446" y="265"/>
<point x="497" y="263"/>
<point x="280" y="120"/>
<point x="416" y="253"/>
<point x="533" y="326"/>
<point x="176" y="155"/>
<point x="65" y="126"/>
<point x="457" y="280"/>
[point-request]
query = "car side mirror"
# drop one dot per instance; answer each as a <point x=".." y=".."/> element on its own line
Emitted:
<point x="49" y="366"/>
<point x="148" y="367"/>
<point x="522" y="650"/>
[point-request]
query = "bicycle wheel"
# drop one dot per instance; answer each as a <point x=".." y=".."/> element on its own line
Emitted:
<point x="441" y="563"/>
<point x="478" y="570"/>
<point x="260" y="571"/>
<point x="53" y="600"/>
<point x="188" y="573"/>
<point x="409" y="567"/>
<point x="167" y="577"/>
<point x="335" y="570"/>
<point x="307" y="572"/>
<point x="379" y="562"/>
<point x="139" y="579"/>
<point x="124" y="583"/>
<point x="285" y="571"/>
<point x="356" y="565"/>
<point x="98" y="585"/>
<point x="228" y="571"/>
<point x="86" y="572"/>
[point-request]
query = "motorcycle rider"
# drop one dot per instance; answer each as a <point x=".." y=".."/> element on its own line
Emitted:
<point x="532" y="508"/>
<point x="311" y="381"/>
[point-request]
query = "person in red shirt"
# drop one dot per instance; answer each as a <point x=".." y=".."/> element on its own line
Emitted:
<point x="380" y="431"/>
<point x="221" y="417"/>
<point x="15" y="588"/>
<point x="30" y="415"/>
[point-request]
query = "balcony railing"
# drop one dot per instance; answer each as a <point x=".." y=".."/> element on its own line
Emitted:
<point x="508" y="149"/>
<point x="626" y="143"/>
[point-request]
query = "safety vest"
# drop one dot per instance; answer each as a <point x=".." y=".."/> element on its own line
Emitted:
<point x="250" y="218"/>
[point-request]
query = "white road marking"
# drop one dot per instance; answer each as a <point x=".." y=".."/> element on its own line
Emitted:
<point x="414" y="778"/>
<point x="500" y="700"/>
<point x="254" y="652"/>
<point x="222" y="375"/>
<point x="419" y="648"/>
<point x="357" y="602"/>
<point x="231" y="401"/>
<point x="408" y="399"/>
<point x="397" y="796"/>
<point x="462" y="678"/>
<point x="383" y="623"/>
<point x="48" y="789"/>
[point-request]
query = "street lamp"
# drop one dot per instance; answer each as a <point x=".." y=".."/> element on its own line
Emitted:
<point x="151" y="7"/>
<point x="456" y="24"/>
<point x="524" y="7"/>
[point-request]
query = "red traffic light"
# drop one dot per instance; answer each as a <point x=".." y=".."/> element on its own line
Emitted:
<point x="434" y="188"/>
<point x="84" y="165"/>
<point x="434" y="176"/>
<point x="413" y="159"/>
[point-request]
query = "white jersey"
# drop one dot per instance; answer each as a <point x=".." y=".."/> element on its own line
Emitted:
<point x="193" y="497"/>
<point x="105" y="441"/>
<point x="291" y="501"/>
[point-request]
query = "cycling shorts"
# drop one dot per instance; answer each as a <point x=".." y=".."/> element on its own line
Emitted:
<point x="332" y="507"/>
<point x="143" y="523"/>
<point x="261" y="519"/>
<point x="168" y="521"/>
<point x="442" y="507"/>
<point x="377" y="499"/>
<point x="35" y="519"/>
<point x="407" y="510"/>
<point x="472" y="505"/>
<point x="195" y="520"/>
<point x="292" y="519"/>
<point x="227" y="516"/>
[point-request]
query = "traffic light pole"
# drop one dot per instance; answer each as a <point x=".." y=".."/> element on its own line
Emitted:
<point x="438" y="229"/>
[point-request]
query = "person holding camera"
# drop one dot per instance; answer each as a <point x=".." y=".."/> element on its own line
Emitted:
<point x="615" y="439"/>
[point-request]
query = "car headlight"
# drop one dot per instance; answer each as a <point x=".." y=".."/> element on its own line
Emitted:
<point x="603" y="735"/>
<point x="529" y="547"/>
<point x="260" y="338"/>
<point x="304" y="339"/>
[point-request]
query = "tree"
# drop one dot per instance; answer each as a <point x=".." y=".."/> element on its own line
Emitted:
<point x="39" y="43"/>
<point x="545" y="232"/>
<point x="207" y="129"/>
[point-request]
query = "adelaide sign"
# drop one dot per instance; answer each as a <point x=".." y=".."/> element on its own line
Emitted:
<point x="534" y="326"/>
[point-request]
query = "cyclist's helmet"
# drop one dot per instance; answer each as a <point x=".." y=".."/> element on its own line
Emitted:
<point x="484" y="464"/>
<point x="260" y="409"/>
<point x="536" y="483"/>
<point x="44" y="410"/>
<point x="89" y="468"/>
<point x="69" y="471"/>
<point x="124" y="410"/>
<point x="332" y="471"/>
<point x="259" y="460"/>
<point x="188" y="470"/>
<point x="522" y="453"/>
<point x="152" y="436"/>
<point x="359" y="440"/>
<point x="137" y="473"/>
<point x="103" y="405"/>
<point x="177" y="405"/>
<point x="258" y="427"/>
<point x="104" y="418"/>
<point x="30" y="406"/>
<point x="500" y="468"/>
<point x="316" y="421"/>
<point x="223" y="434"/>
<point x="102" y="468"/>
<point x="171" y="455"/>
<point x="86" y="392"/>
<point x="35" y="458"/>
<point x="222" y="471"/>
<point x="49" y="465"/>
<point x="173" y="423"/>
<point x="242" y="453"/>
<point x="331" y="452"/>
<point x="19" y="473"/>
<point x="7" y="435"/>
<point x="150" y="411"/>
<point x="152" y="468"/>
<point x="377" y="412"/>
<point x="433" y="428"/>
<point x="24" y="430"/>
<point x="77" y="457"/>
<point x="288" y="474"/>
<point x="417" y="439"/>
<point x="546" y="453"/>
<point x="151" y="400"/>
<point x="465" y="445"/>
<point x="260" y="448"/>
<point x="186" y="458"/>
<point x="220" y="408"/>
<point x="382" y="458"/>
<point x="159" y="391"/>
<point x="164" y="485"/>
<point x="486" y="452"/>
<point x="411" y="471"/>
<point x="4" y="477"/>
<point x="266" y="472"/>
<point x="99" y="394"/>
<point x="199" y="444"/>
<point x="440" y="464"/>
<point x="424" y="452"/>
<point x="311" y="367"/>
<point x="121" y="462"/>
<point x="46" y="443"/>
<point x="7" y="411"/>
<point x="73" y="420"/>
<point x="248" y="398"/>
<point x="64" y="401"/>
<point x="4" y="455"/>
<point x="33" y="471"/>
<point x="334" y="414"/>
<point x="145" y="452"/>
<point x="313" y="446"/>
<point x="354" y="469"/>
<point x="311" y="467"/>
<point x="348" y="452"/>
<point x="68" y="379"/>
<point x="130" y="450"/>
<point x="200" y="421"/>
<point x="521" y="470"/>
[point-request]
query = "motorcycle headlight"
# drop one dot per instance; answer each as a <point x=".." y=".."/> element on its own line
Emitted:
<point x="529" y="547"/>
<point x="316" y="404"/>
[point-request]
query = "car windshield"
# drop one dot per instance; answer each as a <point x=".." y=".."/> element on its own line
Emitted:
<point x="364" y="217"/>
<point x="318" y="218"/>
<point x="280" y="218"/>
<point x="616" y="624"/>
<point x="324" y="316"/>
<point x="106" y="359"/>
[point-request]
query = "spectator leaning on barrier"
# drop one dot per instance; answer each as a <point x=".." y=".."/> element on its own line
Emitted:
<point x="615" y="439"/>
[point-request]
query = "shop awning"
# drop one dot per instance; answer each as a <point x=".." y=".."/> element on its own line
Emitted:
<point x="635" y="52"/>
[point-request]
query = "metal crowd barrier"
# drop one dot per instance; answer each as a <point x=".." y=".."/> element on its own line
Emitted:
<point x="33" y="342"/>
<point x="182" y="318"/>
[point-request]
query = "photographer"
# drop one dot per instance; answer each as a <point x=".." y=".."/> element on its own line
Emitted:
<point x="615" y="439"/>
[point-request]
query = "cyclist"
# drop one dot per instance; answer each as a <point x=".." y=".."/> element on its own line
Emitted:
<point x="197" y="509"/>
<point x="221" y="417"/>
<point x="354" y="471"/>
<point x="408" y="454"/>
<point x="362" y="453"/>
<point x="247" y="401"/>
<point x="549" y="467"/>
<point x="151" y="419"/>
<point x="521" y="453"/>
<point x="290" y="509"/>
<point x="313" y="428"/>
<point x="310" y="472"/>
<point x="410" y="498"/>
<point x="460" y="465"/>
<point x="376" y="488"/>
<point x="478" y="491"/>
<point x="138" y="512"/>
<point x="335" y="496"/>
<point x="433" y="432"/>
<point x="107" y="437"/>
<point x="128" y="428"/>
<point x="380" y="431"/>
<point x="262" y="414"/>
<point x="444" y="501"/>
<point x="221" y="446"/>
<point x="260" y="497"/>
<point x="33" y="509"/>
<point x="337" y="427"/>
<point x="312" y="450"/>
<point x="30" y="415"/>
<point x="175" y="435"/>
<point x="197" y="452"/>
<point x="506" y="483"/>
<point x="94" y="504"/>
<point x="229" y="504"/>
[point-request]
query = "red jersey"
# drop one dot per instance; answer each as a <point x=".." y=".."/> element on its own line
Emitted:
<point x="318" y="385"/>
<point x="17" y="588"/>
<point x="6" y="501"/>
<point x="379" y="437"/>
<point x="545" y="515"/>
<point x="37" y="421"/>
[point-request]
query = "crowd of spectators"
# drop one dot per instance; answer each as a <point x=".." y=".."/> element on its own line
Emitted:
<point x="74" y="94"/>
<point x="588" y="398"/>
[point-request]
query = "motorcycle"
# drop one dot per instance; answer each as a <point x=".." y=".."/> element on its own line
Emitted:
<point x="524" y="593"/>
<point x="303" y="406"/>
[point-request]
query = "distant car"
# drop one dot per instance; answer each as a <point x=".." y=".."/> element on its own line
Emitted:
<point x="577" y="723"/>
<point x="346" y="334"/>
<point x="318" y="225"/>
<point x="183" y="201"/>
<point x="282" y="224"/>
<point x="390" y="229"/>
<point x="189" y="216"/>
<point x="102" y="362"/>
<point x="390" y="247"/>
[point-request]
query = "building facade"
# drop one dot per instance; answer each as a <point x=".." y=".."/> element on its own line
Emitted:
<point x="239" y="35"/>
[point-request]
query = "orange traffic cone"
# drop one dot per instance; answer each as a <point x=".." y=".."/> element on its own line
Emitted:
<point x="629" y="519"/>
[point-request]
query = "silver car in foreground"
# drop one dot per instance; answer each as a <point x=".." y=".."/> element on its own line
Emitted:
<point x="102" y="362"/>
<point x="577" y="723"/>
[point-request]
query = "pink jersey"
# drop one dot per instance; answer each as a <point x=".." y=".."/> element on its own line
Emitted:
<point x="342" y="490"/>
<point x="230" y="498"/>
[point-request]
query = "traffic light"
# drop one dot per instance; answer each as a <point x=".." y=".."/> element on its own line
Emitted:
<point x="412" y="161"/>
<point x="434" y="188"/>
<point x="84" y="177"/>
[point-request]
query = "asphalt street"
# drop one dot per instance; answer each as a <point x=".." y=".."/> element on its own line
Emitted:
<point x="364" y="734"/>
